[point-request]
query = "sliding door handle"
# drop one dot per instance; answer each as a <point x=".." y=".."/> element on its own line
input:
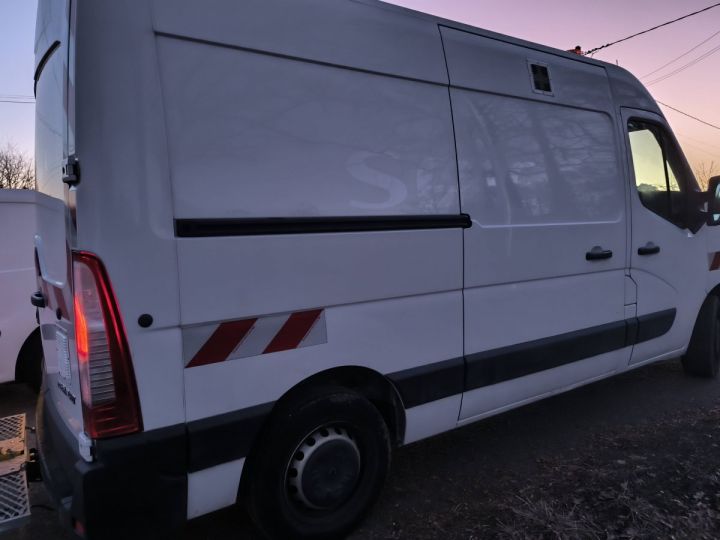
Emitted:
<point x="598" y="254"/>
<point x="649" y="249"/>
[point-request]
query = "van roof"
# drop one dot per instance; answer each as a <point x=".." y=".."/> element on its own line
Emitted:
<point x="19" y="196"/>
<point x="482" y="32"/>
<point x="628" y="89"/>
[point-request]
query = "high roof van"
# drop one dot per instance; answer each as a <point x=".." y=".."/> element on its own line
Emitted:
<point x="283" y="238"/>
<point x="20" y="345"/>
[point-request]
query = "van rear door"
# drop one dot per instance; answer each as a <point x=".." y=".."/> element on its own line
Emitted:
<point x="54" y="236"/>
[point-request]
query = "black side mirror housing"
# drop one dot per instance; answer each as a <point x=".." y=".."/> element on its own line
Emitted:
<point x="713" y="201"/>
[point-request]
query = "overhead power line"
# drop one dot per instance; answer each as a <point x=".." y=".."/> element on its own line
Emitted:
<point x="17" y="101"/>
<point x="688" y="115"/>
<point x="591" y="51"/>
<point x="703" y="42"/>
<point x="684" y="67"/>
<point x="699" y="149"/>
<point x="707" y="145"/>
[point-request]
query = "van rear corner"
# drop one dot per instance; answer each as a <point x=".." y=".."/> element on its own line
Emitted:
<point x="135" y="484"/>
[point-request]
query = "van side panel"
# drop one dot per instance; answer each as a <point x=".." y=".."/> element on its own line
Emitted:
<point x="256" y="136"/>
<point x="253" y="135"/>
<point x="266" y="123"/>
<point x="386" y="336"/>
<point x="234" y="278"/>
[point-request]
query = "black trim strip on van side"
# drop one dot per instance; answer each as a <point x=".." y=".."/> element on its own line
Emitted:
<point x="507" y="363"/>
<point x="202" y="228"/>
<point x="225" y="437"/>
<point x="43" y="62"/>
<point x="654" y="325"/>
<point x="429" y="382"/>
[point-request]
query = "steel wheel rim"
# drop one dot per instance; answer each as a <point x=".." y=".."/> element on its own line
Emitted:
<point x="323" y="471"/>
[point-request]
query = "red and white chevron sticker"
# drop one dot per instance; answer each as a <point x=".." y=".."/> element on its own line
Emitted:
<point x="209" y="344"/>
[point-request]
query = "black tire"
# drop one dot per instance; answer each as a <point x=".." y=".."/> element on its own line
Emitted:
<point x="341" y="443"/>
<point x="703" y="355"/>
<point x="30" y="360"/>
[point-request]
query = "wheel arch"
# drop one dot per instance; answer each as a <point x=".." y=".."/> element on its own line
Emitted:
<point x="24" y="352"/>
<point x="374" y="386"/>
<point x="715" y="291"/>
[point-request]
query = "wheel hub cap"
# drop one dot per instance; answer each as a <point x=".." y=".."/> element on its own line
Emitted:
<point x="325" y="469"/>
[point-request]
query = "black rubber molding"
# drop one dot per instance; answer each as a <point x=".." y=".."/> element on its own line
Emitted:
<point x="201" y="228"/>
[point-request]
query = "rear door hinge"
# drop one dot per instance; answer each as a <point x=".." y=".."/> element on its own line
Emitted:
<point x="71" y="171"/>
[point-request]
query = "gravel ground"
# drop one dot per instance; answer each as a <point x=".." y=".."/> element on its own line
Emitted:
<point x="635" y="456"/>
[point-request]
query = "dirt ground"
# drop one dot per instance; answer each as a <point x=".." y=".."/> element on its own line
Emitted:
<point x="631" y="457"/>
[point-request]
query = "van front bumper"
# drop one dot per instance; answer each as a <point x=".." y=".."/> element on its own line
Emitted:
<point x="135" y="487"/>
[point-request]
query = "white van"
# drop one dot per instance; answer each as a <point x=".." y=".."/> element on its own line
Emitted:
<point x="20" y="344"/>
<point x="285" y="237"/>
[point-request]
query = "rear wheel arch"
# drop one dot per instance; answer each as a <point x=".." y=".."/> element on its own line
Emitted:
<point x="714" y="292"/>
<point x="333" y="411"/>
<point x="28" y="365"/>
<point x="375" y="387"/>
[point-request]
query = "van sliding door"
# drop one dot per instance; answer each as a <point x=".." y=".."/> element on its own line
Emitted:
<point x="545" y="258"/>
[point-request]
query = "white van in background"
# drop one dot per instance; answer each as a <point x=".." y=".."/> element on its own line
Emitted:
<point x="20" y="344"/>
<point x="284" y="237"/>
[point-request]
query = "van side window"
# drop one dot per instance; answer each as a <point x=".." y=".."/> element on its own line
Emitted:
<point x="658" y="172"/>
<point x="529" y="163"/>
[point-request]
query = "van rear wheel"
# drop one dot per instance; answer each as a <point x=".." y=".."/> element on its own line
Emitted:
<point x="319" y="467"/>
<point x="703" y="355"/>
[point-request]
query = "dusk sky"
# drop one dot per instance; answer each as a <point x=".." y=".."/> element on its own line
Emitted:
<point x="557" y="23"/>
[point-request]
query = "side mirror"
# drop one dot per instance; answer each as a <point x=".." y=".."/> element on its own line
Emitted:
<point x="713" y="201"/>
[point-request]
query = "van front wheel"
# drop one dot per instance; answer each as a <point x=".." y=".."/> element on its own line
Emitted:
<point x="319" y="467"/>
<point x="703" y="355"/>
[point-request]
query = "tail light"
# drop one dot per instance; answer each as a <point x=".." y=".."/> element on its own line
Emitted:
<point x="107" y="382"/>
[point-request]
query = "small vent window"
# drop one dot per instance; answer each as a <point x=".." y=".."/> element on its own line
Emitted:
<point x="540" y="75"/>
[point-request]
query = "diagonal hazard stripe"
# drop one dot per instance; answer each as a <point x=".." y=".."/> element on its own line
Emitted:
<point x="293" y="331"/>
<point x="223" y="341"/>
<point x="715" y="263"/>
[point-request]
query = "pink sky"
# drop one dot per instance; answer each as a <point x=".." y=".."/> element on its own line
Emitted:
<point x="557" y="23"/>
<point x="564" y="24"/>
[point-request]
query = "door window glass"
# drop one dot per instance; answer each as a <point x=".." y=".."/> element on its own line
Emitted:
<point x="658" y="172"/>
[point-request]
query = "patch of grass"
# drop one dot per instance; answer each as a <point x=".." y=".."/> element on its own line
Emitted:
<point x="657" y="482"/>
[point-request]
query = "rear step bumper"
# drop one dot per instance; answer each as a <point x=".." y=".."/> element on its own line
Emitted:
<point x="14" y="500"/>
<point x="136" y="487"/>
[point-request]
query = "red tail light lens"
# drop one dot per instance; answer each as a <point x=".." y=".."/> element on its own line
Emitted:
<point x="107" y="382"/>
